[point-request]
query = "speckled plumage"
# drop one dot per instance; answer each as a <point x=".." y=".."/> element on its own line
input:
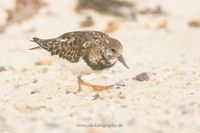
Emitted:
<point x="84" y="52"/>
<point x="97" y="49"/>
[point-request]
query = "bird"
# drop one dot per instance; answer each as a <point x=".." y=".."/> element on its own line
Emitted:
<point x="84" y="52"/>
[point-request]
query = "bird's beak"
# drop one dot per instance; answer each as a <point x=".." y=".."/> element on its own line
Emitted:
<point x="121" y="59"/>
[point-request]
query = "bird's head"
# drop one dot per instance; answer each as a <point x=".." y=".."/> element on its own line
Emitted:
<point x="113" y="51"/>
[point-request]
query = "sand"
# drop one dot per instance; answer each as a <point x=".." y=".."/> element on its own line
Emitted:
<point x="39" y="98"/>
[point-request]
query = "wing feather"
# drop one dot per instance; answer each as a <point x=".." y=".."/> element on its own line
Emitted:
<point x="72" y="45"/>
<point x="67" y="49"/>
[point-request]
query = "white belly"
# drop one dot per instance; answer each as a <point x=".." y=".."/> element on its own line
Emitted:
<point x="76" y="68"/>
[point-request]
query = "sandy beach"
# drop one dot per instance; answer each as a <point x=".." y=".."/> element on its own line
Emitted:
<point x="161" y="41"/>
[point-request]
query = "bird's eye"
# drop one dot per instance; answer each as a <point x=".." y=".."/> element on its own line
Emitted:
<point x="113" y="50"/>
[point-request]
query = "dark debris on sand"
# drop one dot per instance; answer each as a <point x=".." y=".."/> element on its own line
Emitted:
<point x="152" y="11"/>
<point x="2" y="68"/>
<point x="120" y="8"/>
<point x="112" y="7"/>
<point x="194" y="23"/>
<point x="24" y="9"/>
<point x="142" y="77"/>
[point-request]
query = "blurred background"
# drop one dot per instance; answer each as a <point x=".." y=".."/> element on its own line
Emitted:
<point x="131" y="21"/>
<point x="161" y="40"/>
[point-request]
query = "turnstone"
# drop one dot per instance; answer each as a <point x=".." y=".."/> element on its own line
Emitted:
<point x="84" y="52"/>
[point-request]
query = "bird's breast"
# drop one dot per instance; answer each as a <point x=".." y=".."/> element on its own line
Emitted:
<point x="100" y="64"/>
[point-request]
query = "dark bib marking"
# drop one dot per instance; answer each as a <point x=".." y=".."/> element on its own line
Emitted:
<point x="98" y="65"/>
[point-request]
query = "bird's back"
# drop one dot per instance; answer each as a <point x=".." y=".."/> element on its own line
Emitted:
<point x="71" y="45"/>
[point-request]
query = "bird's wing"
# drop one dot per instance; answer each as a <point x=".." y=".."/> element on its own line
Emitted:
<point x="65" y="46"/>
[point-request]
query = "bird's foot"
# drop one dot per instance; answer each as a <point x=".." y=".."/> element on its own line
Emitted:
<point x="93" y="86"/>
<point x="97" y="87"/>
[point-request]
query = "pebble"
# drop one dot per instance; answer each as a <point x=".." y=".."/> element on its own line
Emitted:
<point x="142" y="77"/>
<point x="2" y="69"/>
<point x="194" y="23"/>
<point x="117" y="87"/>
<point x="34" y="92"/>
<point x="95" y="96"/>
<point x="120" y="83"/>
<point x="35" y="81"/>
<point x="67" y="92"/>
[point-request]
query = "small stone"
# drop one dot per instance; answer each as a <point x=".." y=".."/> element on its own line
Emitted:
<point x="117" y="87"/>
<point x="34" y="92"/>
<point x="95" y="96"/>
<point x="67" y="92"/>
<point x="142" y="77"/>
<point x="2" y="68"/>
<point x="120" y="83"/>
<point x="194" y="23"/>
<point x="35" y="81"/>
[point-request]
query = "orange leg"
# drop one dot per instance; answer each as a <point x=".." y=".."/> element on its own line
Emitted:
<point x="95" y="87"/>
